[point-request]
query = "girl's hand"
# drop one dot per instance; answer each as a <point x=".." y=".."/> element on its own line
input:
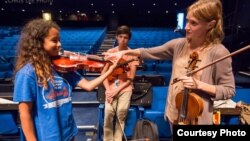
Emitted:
<point x="189" y="82"/>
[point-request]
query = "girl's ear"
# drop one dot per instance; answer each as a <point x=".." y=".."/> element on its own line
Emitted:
<point x="211" y="24"/>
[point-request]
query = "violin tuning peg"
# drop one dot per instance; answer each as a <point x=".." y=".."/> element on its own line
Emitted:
<point x="61" y="51"/>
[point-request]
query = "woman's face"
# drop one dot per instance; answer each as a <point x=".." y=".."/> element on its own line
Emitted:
<point x="52" y="42"/>
<point x="195" y="29"/>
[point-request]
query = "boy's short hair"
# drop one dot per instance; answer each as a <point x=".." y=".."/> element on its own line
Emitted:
<point x="124" y="30"/>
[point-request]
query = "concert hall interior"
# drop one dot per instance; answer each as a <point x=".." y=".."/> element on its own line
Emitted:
<point x="89" y="27"/>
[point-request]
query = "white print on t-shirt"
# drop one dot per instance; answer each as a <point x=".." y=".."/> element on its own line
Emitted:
<point x="57" y="94"/>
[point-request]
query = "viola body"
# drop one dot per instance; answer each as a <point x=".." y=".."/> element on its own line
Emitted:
<point x="194" y="107"/>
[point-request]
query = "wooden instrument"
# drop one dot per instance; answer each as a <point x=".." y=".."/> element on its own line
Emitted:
<point x="189" y="104"/>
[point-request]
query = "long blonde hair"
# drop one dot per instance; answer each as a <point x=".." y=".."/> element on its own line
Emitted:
<point x="208" y="10"/>
<point x="31" y="49"/>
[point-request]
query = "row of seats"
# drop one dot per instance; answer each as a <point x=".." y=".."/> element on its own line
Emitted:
<point x="8" y="31"/>
<point x="78" y="39"/>
<point x="6" y="70"/>
<point x="155" y="112"/>
<point x="149" y="37"/>
<point x="84" y="40"/>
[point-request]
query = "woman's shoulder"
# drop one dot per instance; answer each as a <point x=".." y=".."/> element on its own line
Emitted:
<point x="219" y="50"/>
<point x="177" y="42"/>
<point x="180" y="40"/>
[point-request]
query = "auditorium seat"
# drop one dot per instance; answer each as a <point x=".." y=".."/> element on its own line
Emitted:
<point x="156" y="112"/>
<point x="164" y="67"/>
<point x="5" y="67"/>
<point x="8" y="124"/>
<point x="2" y="75"/>
<point x="131" y="121"/>
<point x="242" y="94"/>
<point x="9" y="128"/>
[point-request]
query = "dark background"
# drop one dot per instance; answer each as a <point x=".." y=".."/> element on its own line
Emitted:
<point x="135" y="13"/>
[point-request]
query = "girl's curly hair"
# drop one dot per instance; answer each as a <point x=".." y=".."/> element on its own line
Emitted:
<point x="31" y="49"/>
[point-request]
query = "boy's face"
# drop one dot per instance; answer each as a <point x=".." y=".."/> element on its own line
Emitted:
<point x="122" y="39"/>
<point x="52" y="42"/>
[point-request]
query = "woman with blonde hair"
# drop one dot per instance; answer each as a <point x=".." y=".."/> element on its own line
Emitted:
<point x="204" y="33"/>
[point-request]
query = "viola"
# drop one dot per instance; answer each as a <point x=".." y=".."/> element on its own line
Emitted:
<point x="188" y="103"/>
<point x="185" y="105"/>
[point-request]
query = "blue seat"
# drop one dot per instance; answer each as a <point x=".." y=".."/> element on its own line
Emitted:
<point x="2" y="75"/>
<point x="8" y="124"/>
<point x="166" y="76"/>
<point x="242" y="94"/>
<point x="5" y="67"/>
<point x="100" y="122"/>
<point x="9" y="128"/>
<point x="164" y="67"/>
<point x="131" y="121"/>
<point x="156" y="112"/>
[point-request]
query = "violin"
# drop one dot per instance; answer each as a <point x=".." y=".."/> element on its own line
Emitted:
<point x="188" y="103"/>
<point x="121" y="68"/>
<point x="70" y="61"/>
<point x="74" y="61"/>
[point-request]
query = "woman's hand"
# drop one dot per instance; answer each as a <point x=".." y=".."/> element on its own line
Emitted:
<point x="113" y="56"/>
<point x="113" y="66"/>
<point x="189" y="82"/>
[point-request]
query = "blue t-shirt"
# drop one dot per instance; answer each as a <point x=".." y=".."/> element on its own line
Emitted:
<point x="52" y="107"/>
